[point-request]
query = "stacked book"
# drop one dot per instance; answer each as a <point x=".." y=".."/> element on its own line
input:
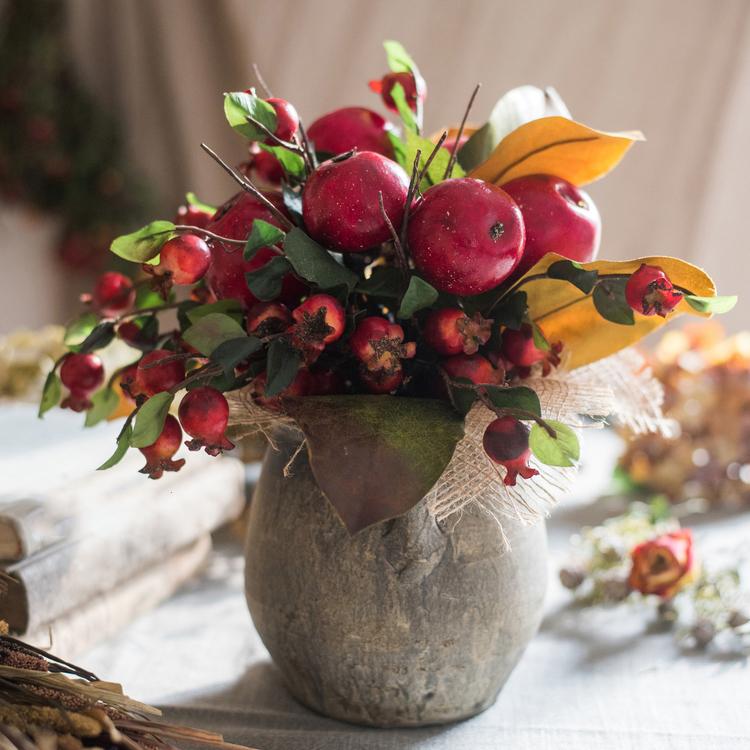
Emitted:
<point x="83" y="552"/>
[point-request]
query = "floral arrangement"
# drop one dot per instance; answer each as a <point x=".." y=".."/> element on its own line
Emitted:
<point x="50" y="703"/>
<point x="644" y="556"/>
<point x="430" y="308"/>
<point x="706" y="379"/>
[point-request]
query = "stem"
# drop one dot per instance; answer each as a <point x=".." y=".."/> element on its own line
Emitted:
<point x="403" y="263"/>
<point x="247" y="186"/>
<point x="434" y="153"/>
<point x="166" y="360"/>
<point x="410" y="195"/>
<point x="286" y="144"/>
<point x="144" y="311"/>
<point x="311" y="158"/>
<point x="261" y="80"/>
<point x="198" y="230"/>
<point x="454" y="150"/>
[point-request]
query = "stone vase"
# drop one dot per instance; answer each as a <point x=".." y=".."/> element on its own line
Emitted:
<point x="407" y="623"/>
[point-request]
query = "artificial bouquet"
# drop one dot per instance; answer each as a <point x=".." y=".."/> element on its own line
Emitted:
<point x="429" y="313"/>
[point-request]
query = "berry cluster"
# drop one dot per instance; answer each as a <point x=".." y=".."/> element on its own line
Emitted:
<point x="355" y="259"/>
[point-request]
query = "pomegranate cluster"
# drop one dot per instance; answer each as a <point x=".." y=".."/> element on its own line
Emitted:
<point x="356" y="258"/>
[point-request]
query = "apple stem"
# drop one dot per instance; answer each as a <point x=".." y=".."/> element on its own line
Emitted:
<point x="454" y="150"/>
<point x="403" y="263"/>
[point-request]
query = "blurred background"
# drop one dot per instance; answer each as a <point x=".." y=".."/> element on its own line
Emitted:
<point x="104" y="104"/>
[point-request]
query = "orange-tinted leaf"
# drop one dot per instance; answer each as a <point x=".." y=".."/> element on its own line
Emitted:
<point x="558" y="146"/>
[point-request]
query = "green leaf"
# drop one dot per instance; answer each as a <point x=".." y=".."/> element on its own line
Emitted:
<point x="561" y="450"/>
<point x="292" y="203"/>
<point x="281" y="367"/>
<point x="397" y="448"/>
<point x="519" y="398"/>
<point x="265" y="282"/>
<point x="103" y="403"/>
<point x="149" y="421"/>
<point x="399" y="60"/>
<point x="77" y="330"/>
<point x="231" y="307"/>
<point x="123" y="443"/>
<point x="540" y="342"/>
<point x="516" y="107"/>
<point x="99" y="337"/>
<point x="51" y="393"/>
<point x="716" y="305"/>
<point x="239" y="105"/>
<point x="212" y="330"/>
<point x="385" y="281"/>
<point x="193" y="200"/>
<point x="404" y="110"/>
<point x="262" y="234"/>
<point x="292" y="163"/>
<point x="145" y="296"/>
<point x="419" y="294"/>
<point x="568" y="270"/>
<point x="463" y="398"/>
<point x="145" y="244"/>
<point x="512" y="311"/>
<point x="610" y="302"/>
<point x="439" y="164"/>
<point x="230" y="353"/>
<point x="314" y="263"/>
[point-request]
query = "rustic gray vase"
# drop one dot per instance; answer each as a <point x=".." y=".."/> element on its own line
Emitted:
<point x="404" y="624"/>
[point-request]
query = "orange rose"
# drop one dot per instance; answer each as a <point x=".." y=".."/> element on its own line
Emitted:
<point x="663" y="565"/>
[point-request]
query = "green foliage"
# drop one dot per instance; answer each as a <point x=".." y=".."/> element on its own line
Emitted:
<point x="231" y="307"/>
<point x="239" y="105"/>
<point x="144" y="244"/>
<point x="123" y="443"/>
<point x="399" y="60"/>
<point x="281" y="366"/>
<point x="610" y="302"/>
<point x="561" y="450"/>
<point x="262" y="234"/>
<point x="315" y="264"/>
<point x="511" y="312"/>
<point x="103" y="403"/>
<point x="404" y="110"/>
<point x="265" y="282"/>
<point x="568" y="270"/>
<point x="211" y="330"/>
<point x="518" y="399"/>
<point x="292" y="163"/>
<point x="230" y="353"/>
<point x="51" y="393"/>
<point x="193" y="200"/>
<point x="419" y="295"/>
<point x="386" y="282"/>
<point x="77" y="330"/>
<point x="149" y="421"/>
<point x="716" y="305"/>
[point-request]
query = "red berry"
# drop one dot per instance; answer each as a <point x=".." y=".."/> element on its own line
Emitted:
<point x="558" y="217"/>
<point x="381" y="381"/>
<point x="506" y="442"/>
<point x="192" y="216"/>
<point x="204" y="415"/>
<point x="302" y="385"/>
<point x="81" y="374"/>
<point x="650" y="292"/>
<point x="519" y="349"/>
<point x="472" y="367"/>
<point x="152" y="378"/>
<point x="267" y="318"/>
<point x="340" y="203"/>
<point x="127" y="382"/>
<point x="185" y="258"/>
<point x="133" y="335"/>
<point x="414" y="91"/>
<point x="351" y="127"/>
<point x="379" y="345"/>
<point x="226" y="274"/>
<point x="320" y="320"/>
<point x="452" y="331"/>
<point x="287" y="120"/>
<point x="159" y="453"/>
<point x="113" y="294"/>
<point x="466" y="236"/>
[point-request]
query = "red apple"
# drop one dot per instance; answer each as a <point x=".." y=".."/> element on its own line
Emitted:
<point x="351" y="127"/>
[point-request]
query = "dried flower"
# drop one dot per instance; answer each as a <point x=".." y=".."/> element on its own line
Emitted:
<point x="663" y="565"/>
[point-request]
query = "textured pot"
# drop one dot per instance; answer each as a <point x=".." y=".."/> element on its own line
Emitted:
<point x="404" y="624"/>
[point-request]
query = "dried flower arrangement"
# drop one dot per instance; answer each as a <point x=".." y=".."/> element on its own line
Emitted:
<point x="48" y="703"/>
<point x="645" y="556"/>
<point x="430" y="308"/>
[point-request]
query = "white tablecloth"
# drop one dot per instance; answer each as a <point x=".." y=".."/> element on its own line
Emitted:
<point x="589" y="680"/>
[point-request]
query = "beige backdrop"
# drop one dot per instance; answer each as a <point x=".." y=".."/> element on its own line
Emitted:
<point x="677" y="69"/>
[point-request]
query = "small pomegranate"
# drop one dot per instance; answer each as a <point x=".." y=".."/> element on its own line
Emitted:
<point x="183" y="260"/>
<point x="319" y="320"/>
<point x="302" y="385"/>
<point x="650" y="292"/>
<point x="204" y="415"/>
<point x="113" y="295"/>
<point x="452" y="331"/>
<point x="192" y="216"/>
<point x="558" y="217"/>
<point x="81" y="374"/>
<point x="351" y="127"/>
<point x="466" y="236"/>
<point x="159" y="454"/>
<point x="506" y="442"/>
<point x="472" y="367"/>
<point x="287" y="120"/>
<point x="268" y="318"/>
<point x="379" y="345"/>
<point x="340" y="203"/>
<point x="519" y="350"/>
<point x="133" y="335"/>
<point x="263" y="169"/>
<point x="381" y="381"/>
<point x="414" y="90"/>
<point x="226" y="274"/>
<point x="152" y="377"/>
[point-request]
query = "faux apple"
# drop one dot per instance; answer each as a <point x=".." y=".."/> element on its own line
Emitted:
<point x="559" y="218"/>
<point x="349" y="128"/>
<point x="226" y="274"/>
<point x="466" y="236"/>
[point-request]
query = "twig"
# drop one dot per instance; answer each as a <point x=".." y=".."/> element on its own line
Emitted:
<point x="410" y="195"/>
<point x="166" y="360"/>
<point x="199" y="230"/>
<point x="261" y="80"/>
<point x="306" y="145"/>
<point x="454" y="150"/>
<point x="400" y="254"/>
<point x="247" y="186"/>
<point x="294" y="147"/>
<point x="434" y="153"/>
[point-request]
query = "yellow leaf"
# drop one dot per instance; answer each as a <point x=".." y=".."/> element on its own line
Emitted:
<point x="558" y="146"/>
<point x="564" y="313"/>
<point x="469" y="130"/>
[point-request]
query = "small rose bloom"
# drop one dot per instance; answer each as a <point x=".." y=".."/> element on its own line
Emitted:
<point x="650" y="292"/>
<point x="663" y="565"/>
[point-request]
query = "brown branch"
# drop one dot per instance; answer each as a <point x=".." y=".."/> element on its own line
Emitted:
<point x="403" y="263"/>
<point x="199" y="230"/>
<point x="410" y="195"/>
<point x="261" y="80"/>
<point x="454" y="150"/>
